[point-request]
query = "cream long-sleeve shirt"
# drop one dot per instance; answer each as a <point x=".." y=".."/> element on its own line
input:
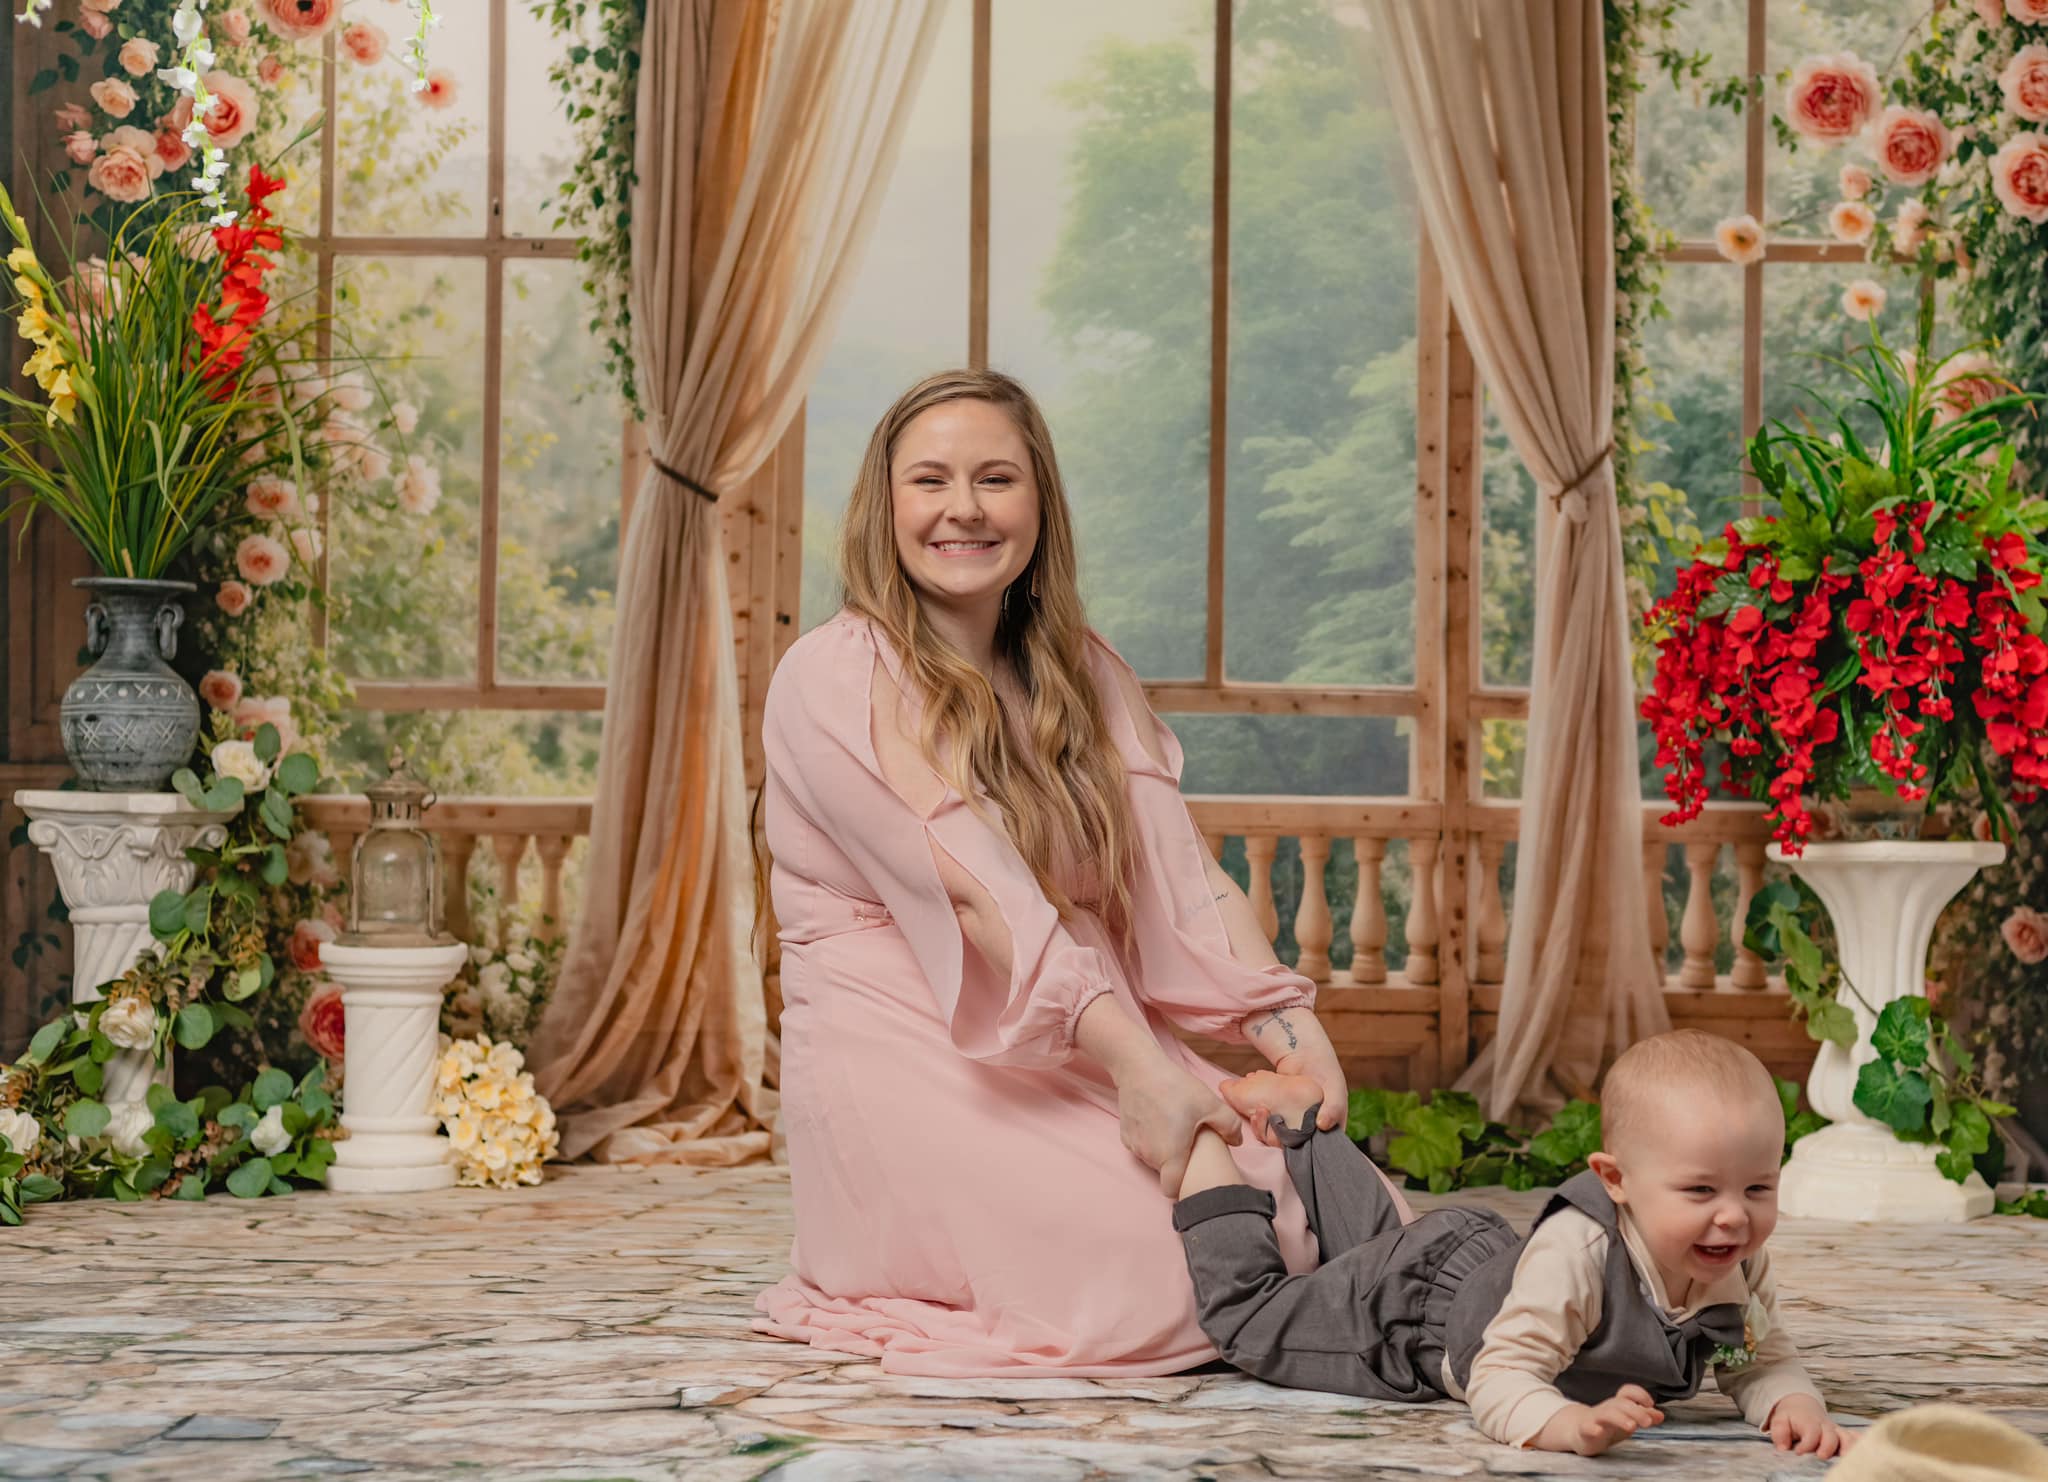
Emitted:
<point x="1554" y="1305"/>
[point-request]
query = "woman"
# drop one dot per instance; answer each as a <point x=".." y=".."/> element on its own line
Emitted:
<point x="995" y="910"/>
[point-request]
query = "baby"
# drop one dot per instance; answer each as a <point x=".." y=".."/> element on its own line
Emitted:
<point x="1638" y="1274"/>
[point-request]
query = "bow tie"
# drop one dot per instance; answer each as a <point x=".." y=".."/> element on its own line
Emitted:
<point x="1723" y="1324"/>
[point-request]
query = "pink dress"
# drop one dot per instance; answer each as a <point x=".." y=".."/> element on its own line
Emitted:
<point x="964" y="1205"/>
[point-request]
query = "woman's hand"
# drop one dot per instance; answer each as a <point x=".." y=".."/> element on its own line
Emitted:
<point x="1160" y="1108"/>
<point x="1294" y="1043"/>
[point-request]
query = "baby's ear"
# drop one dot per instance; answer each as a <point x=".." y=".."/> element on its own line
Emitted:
<point x="1610" y="1175"/>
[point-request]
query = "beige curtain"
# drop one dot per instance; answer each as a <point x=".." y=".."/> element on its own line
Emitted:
<point x="765" y="133"/>
<point x="1502" y="106"/>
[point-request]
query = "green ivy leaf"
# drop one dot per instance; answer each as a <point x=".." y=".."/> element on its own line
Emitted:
<point x="86" y="1118"/>
<point x="1788" y="1097"/>
<point x="1954" y="1166"/>
<point x="1429" y="1149"/>
<point x="195" y="1026"/>
<point x="1901" y="1032"/>
<point x="1803" y="1124"/>
<point x="1969" y="1131"/>
<point x="1900" y="1101"/>
<point x="1832" y="1023"/>
<point x="1462" y="1108"/>
<point x="1368" y="1113"/>
<point x="1801" y="951"/>
<point x="1573" y="1135"/>
<point x="297" y="773"/>
<point x="251" y="1180"/>
<point x="272" y="1087"/>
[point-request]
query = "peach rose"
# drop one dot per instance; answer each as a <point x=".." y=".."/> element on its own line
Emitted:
<point x="269" y="70"/>
<point x="2029" y="12"/>
<point x="255" y="712"/>
<point x="70" y="117"/>
<point x="419" y="487"/>
<point x="364" y="42"/>
<point x="1855" y="182"/>
<point x="1863" y="299"/>
<point x="220" y="689"/>
<point x="261" y="561"/>
<point x="404" y="416"/>
<point x="121" y="175"/>
<point x="80" y="147"/>
<point x="349" y="392"/>
<point x="306" y="939"/>
<point x="95" y="25"/>
<point x="2025" y="83"/>
<point x="233" y="598"/>
<point x="138" y="141"/>
<point x="172" y="149"/>
<point x="1990" y="13"/>
<point x="1740" y="239"/>
<point x="1910" y="144"/>
<point x="234" y="109"/>
<point x="269" y="497"/>
<point x="1831" y="98"/>
<point x="2026" y="934"/>
<point x="299" y="20"/>
<point x="306" y="544"/>
<point x="1852" y="221"/>
<point x="137" y="56"/>
<point x="372" y="462"/>
<point x="180" y="116"/>
<point x="235" y="27"/>
<point x="1909" y="231"/>
<point x="1966" y="382"/>
<point x="115" y="97"/>
<point x="440" y="89"/>
<point x="2019" y="176"/>
<point x="323" y="1022"/>
<point x="99" y="5"/>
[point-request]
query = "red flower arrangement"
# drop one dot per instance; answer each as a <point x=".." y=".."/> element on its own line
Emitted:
<point x="1882" y="629"/>
<point x="224" y="330"/>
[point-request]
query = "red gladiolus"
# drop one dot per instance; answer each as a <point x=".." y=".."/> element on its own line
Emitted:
<point x="223" y="328"/>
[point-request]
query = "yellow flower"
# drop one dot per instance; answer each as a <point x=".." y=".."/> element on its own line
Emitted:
<point x="21" y="259"/>
<point x="35" y="324"/>
<point x="63" y="401"/>
<point x="43" y="365"/>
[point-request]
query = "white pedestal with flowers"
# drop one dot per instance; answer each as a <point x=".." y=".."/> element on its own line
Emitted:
<point x="392" y="997"/>
<point x="1884" y="898"/>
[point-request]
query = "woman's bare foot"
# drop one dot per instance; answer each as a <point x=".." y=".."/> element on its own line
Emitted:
<point x="1267" y="1093"/>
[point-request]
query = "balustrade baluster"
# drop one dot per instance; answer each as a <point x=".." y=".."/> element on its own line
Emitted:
<point x="1698" y="931"/>
<point x="1312" y="928"/>
<point x="1421" y="968"/>
<point x="1492" y="956"/>
<point x="1258" y="854"/>
<point x="1747" y="971"/>
<point x="1654" y="854"/>
<point x="455" y="852"/>
<point x="510" y="849"/>
<point x="553" y="850"/>
<point x="1369" y="914"/>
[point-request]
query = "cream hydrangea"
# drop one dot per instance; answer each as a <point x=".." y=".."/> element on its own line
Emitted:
<point x="499" y="1127"/>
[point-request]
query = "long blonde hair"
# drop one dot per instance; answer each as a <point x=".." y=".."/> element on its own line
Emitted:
<point x="1068" y="780"/>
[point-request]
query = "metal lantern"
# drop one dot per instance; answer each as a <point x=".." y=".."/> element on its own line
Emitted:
<point x="395" y="882"/>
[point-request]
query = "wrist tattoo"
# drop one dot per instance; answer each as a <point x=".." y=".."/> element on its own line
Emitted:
<point x="1288" y="1029"/>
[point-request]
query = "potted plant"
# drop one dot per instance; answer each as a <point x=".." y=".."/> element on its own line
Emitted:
<point x="156" y="398"/>
<point x="1870" y="645"/>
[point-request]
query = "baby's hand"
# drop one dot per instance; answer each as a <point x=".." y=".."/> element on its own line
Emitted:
<point x="1799" y="1423"/>
<point x="1592" y="1429"/>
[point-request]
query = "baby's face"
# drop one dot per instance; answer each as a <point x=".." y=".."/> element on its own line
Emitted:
<point x="1702" y="1184"/>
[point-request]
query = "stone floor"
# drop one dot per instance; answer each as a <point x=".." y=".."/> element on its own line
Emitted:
<point x="597" y="1328"/>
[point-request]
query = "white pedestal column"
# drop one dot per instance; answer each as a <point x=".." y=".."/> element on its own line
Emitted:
<point x="1884" y="899"/>
<point x="113" y="852"/>
<point x="391" y="999"/>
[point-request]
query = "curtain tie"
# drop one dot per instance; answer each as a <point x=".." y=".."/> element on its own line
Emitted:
<point x="685" y="480"/>
<point x="1576" y="509"/>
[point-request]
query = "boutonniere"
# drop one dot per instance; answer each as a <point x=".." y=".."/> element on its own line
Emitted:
<point x="1754" y="1325"/>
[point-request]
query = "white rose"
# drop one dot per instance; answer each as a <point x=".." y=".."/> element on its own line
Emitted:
<point x="21" y="1130"/>
<point x="268" y="1135"/>
<point x="494" y="977"/>
<point x="237" y="759"/>
<point x="405" y="416"/>
<point x="127" y="1124"/>
<point x="129" y="1023"/>
<point x="519" y="962"/>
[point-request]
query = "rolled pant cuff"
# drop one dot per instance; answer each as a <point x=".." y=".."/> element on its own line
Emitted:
<point x="1214" y="1203"/>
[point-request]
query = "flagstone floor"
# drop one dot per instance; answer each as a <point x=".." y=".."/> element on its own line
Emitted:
<point x="597" y="1327"/>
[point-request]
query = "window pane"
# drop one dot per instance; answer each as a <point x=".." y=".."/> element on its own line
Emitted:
<point x="540" y="146"/>
<point x="1320" y="544"/>
<point x="1507" y="560"/>
<point x="1502" y="744"/>
<point x="1314" y="755"/>
<point x="471" y="753"/>
<point x="1689" y="157"/>
<point x="1801" y="186"/>
<point x="906" y="315"/>
<point x="404" y="582"/>
<point x="558" y="482"/>
<point x="1102" y="306"/>
<point x="1693" y="412"/>
<point x="415" y="164"/>
<point x="1804" y="320"/>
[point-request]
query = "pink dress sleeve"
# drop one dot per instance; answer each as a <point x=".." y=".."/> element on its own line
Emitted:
<point x="1187" y="971"/>
<point x="817" y="736"/>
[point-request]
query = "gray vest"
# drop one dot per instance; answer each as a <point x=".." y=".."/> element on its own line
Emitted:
<point x="1634" y="1343"/>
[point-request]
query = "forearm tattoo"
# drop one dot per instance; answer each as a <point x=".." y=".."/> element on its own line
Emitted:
<point x="1276" y="1017"/>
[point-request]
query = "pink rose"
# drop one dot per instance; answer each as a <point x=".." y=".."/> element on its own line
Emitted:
<point x="137" y="56"/>
<point x="323" y="1022"/>
<point x="220" y="689"/>
<point x="1831" y="98"/>
<point x="136" y="141"/>
<point x="269" y="70"/>
<point x="95" y="25"/>
<point x="80" y="147"/>
<point x="2019" y="176"/>
<point x="99" y="5"/>
<point x="1966" y="382"/>
<point x="2026" y="933"/>
<point x="1910" y="229"/>
<point x="234" y="109"/>
<point x="440" y="89"/>
<point x="233" y="598"/>
<point x="180" y="116"/>
<point x="235" y="26"/>
<point x="298" y="20"/>
<point x="115" y="97"/>
<point x="307" y="937"/>
<point x="255" y="712"/>
<point x="172" y="149"/>
<point x="364" y="42"/>
<point x="122" y="175"/>
<point x="2029" y="12"/>
<point x="306" y="544"/>
<point x="70" y="117"/>
<point x="419" y="486"/>
<point x="1909" y="143"/>
<point x="269" y="497"/>
<point x="1855" y="181"/>
<point x="261" y="560"/>
<point x="1863" y="299"/>
<point x="1852" y="221"/>
<point x="2025" y="82"/>
<point x="1990" y="13"/>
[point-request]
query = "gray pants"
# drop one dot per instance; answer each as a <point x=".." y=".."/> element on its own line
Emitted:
<point x="1370" y="1319"/>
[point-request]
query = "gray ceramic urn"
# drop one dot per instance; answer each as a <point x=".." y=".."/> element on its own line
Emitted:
<point x="129" y="721"/>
